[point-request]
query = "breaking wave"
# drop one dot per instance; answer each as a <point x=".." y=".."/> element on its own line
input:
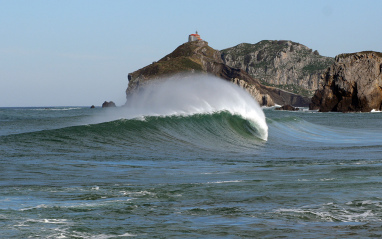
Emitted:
<point x="196" y="94"/>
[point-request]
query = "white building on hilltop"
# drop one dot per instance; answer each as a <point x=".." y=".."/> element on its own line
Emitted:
<point x="194" y="37"/>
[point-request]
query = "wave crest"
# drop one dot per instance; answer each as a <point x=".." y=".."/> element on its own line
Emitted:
<point x="195" y="94"/>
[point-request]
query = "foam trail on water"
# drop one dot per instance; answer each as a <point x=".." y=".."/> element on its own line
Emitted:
<point x="196" y="94"/>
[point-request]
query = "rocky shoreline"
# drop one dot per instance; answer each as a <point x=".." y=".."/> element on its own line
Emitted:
<point x="347" y="83"/>
<point x="352" y="84"/>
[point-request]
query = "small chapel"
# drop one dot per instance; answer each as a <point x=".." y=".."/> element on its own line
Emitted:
<point x="194" y="37"/>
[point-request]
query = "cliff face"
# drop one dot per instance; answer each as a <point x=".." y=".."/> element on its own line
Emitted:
<point x="352" y="83"/>
<point x="284" y="64"/>
<point x="198" y="57"/>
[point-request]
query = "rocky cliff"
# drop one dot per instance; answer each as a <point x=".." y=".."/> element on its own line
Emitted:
<point x="352" y="83"/>
<point x="198" y="57"/>
<point x="284" y="64"/>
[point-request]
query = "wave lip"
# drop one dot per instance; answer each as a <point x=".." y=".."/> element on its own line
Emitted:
<point x="195" y="94"/>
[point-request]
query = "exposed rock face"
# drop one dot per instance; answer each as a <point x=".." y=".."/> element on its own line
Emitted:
<point x="108" y="104"/>
<point x="352" y="83"/>
<point x="198" y="57"/>
<point x="284" y="64"/>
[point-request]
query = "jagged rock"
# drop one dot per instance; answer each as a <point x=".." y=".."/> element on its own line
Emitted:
<point x="92" y="107"/>
<point x="288" y="107"/>
<point x="108" y="104"/>
<point x="352" y="83"/>
<point x="198" y="57"/>
<point x="285" y="64"/>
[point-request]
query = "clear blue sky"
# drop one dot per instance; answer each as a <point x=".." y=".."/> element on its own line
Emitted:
<point x="79" y="52"/>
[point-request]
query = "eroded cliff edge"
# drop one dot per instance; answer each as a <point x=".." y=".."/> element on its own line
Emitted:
<point x="284" y="64"/>
<point x="198" y="57"/>
<point x="352" y="84"/>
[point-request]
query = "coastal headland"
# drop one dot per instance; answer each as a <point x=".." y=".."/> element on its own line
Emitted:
<point x="277" y="73"/>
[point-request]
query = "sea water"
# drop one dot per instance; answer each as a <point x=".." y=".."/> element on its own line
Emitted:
<point x="203" y="170"/>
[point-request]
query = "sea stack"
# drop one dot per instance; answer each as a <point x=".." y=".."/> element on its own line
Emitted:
<point x="108" y="104"/>
<point x="352" y="84"/>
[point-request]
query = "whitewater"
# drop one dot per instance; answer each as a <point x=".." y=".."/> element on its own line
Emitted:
<point x="192" y="95"/>
<point x="192" y="157"/>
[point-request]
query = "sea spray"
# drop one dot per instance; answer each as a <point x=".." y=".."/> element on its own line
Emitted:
<point x="195" y="94"/>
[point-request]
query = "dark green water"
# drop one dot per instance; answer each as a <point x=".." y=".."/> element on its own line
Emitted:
<point x="64" y="173"/>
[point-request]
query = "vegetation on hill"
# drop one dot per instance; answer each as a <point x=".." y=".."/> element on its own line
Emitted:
<point x="186" y="57"/>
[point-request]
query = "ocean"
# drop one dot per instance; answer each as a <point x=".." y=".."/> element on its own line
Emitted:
<point x="201" y="161"/>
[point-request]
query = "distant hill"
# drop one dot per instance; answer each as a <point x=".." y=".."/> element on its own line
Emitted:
<point x="198" y="57"/>
<point x="284" y="64"/>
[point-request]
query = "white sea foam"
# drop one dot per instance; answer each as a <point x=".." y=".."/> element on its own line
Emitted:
<point x="106" y="236"/>
<point x="36" y="207"/>
<point x="51" y="221"/>
<point x="28" y="222"/>
<point x="333" y="212"/>
<point x="303" y="180"/>
<point x="195" y="94"/>
<point x="136" y="194"/>
<point x="228" y="181"/>
<point x="327" y="179"/>
<point x="365" y="203"/>
<point x="57" y="109"/>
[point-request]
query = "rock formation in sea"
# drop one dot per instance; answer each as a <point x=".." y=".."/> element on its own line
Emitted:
<point x="284" y="64"/>
<point x="288" y="107"/>
<point x="352" y="84"/>
<point x="198" y="57"/>
<point x="108" y="104"/>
